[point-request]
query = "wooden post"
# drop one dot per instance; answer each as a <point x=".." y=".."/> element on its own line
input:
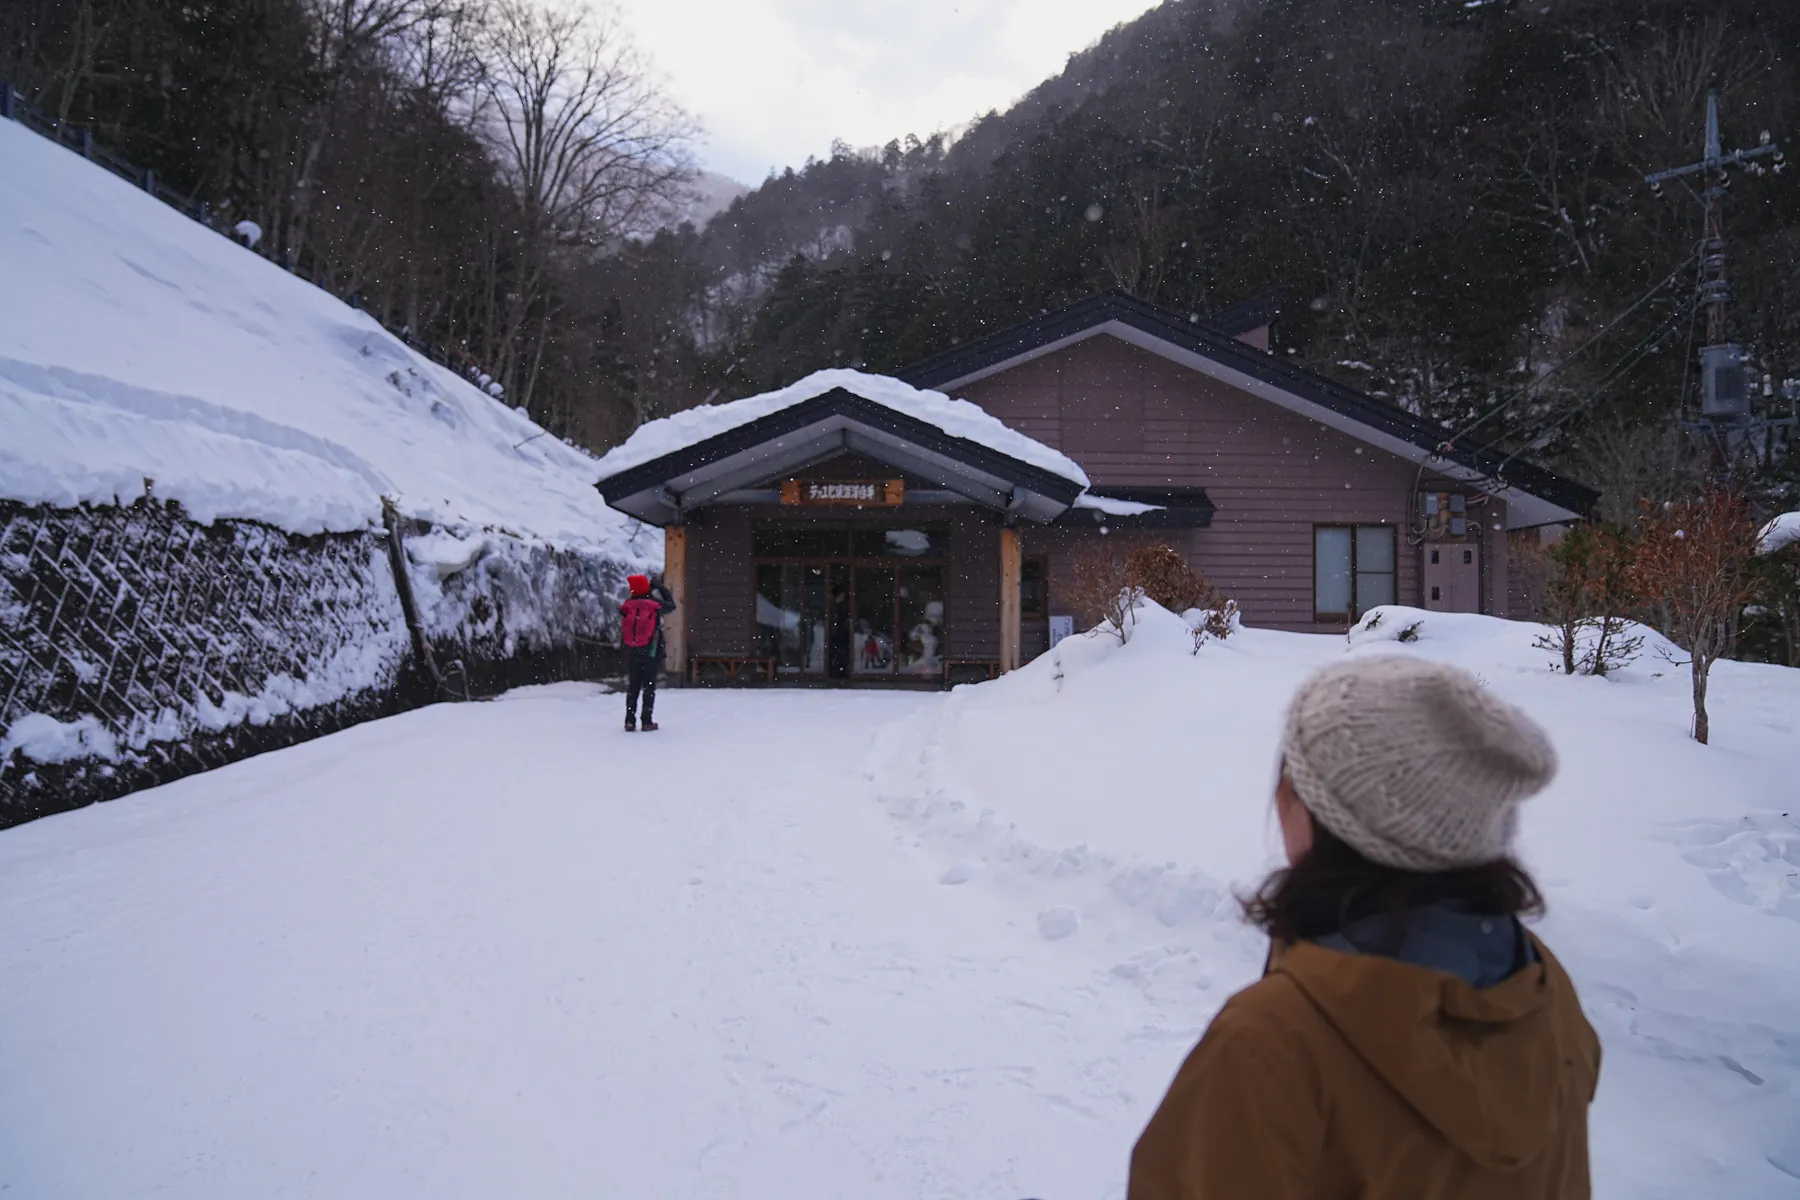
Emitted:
<point x="409" y="607"/>
<point x="1011" y="563"/>
<point x="675" y="563"/>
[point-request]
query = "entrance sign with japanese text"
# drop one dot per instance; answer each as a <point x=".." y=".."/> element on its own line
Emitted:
<point x="861" y="493"/>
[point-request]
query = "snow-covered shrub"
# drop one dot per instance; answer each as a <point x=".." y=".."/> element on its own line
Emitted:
<point x="1589" y="587"/>
<point x="1214" y="624"/>
<point x="1112" y="581"/>
<point x="1101" y="592"/>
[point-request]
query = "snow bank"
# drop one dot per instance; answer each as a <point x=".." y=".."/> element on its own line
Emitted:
<point x="1128" y="785"/>
<point x="959" y="418"/>
<point x="923" y="945"/>
<point x="142" y="352"/>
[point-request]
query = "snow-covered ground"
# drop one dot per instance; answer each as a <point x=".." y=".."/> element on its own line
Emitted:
<point x="138" y="345"/>
<point x="808" y="944"/>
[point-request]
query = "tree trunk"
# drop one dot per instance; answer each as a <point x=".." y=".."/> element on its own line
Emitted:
<point x="1702" y="665"/>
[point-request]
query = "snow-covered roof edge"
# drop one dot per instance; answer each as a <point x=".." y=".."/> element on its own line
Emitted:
<point x="1779" y="533"/>
<point x="958" y="418"/>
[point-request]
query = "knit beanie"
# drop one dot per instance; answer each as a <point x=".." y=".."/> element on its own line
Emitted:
<point x="639" y="584"/>
<point x="1413" y="763"/>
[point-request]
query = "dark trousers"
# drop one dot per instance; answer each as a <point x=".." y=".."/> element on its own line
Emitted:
<point x="641" y="670"/>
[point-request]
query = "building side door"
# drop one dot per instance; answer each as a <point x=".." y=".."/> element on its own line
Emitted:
<point x="1452" y="577"/>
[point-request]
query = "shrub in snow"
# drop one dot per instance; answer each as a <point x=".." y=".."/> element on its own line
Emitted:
<point x="1386" y="624"/>
<point x="1165" y="576"/>
<point x="1111" y="581"/>
<point x="1590" y="579"/>
<point x="1214" y="624"/>
<point x="1695" y="565"/>
<point x="249" y="232"/>
<point x="1100" y="591"/>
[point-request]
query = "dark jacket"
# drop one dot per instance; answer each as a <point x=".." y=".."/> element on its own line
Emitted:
<point x="664" y="600"/>
<point x="1343" y="1074"/>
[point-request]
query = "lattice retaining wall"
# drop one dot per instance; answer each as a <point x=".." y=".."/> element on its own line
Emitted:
<point x="137" y="646"/>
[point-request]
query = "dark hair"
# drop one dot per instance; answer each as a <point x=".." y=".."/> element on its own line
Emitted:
<point x="1333" y="886"/>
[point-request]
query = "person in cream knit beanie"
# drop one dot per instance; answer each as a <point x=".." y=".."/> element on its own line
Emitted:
<point x="1408" y="1029"/>
<point x="1413" y="764"/>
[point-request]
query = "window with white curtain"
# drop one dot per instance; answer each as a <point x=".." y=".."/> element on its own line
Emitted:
<point x="1354" y="570"/>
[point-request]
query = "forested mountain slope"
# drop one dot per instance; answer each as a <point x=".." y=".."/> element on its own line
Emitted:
<point x="1451" y="197"/>
<point x="1449" y="194"/>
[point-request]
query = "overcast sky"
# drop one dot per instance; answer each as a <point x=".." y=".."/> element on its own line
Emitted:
<point x="776" y="80"/>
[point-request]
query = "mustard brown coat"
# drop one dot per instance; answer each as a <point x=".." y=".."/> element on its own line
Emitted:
<point x="1345" y="1075"/>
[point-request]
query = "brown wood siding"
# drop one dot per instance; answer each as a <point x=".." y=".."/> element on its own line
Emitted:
<point x="1130" y="417"/>
<point x="722" y="577"/>
<point x="972" y="620"/>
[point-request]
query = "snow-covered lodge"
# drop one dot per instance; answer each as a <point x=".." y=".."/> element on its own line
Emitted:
<point x="860" y="527"/>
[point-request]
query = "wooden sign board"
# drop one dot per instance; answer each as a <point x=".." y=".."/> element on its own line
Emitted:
<point x="838" y="493"/>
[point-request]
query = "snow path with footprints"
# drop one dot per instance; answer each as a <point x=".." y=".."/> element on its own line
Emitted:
<point x="808" y="943"/>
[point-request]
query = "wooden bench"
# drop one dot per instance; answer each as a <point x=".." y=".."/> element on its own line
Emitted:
<point x="734" y="665"/>
<point x="989" y="667"/>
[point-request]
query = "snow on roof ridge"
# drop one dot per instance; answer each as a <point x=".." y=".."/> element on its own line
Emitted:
<point x="959" y="418"/>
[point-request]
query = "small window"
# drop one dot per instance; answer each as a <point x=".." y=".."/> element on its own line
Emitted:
<point x="1034" y="587"/>
<point x="1437" y="593"/>
<point x="1468" y="558"/>
<point x="1434" y="558"/>
<point x="1354" y="570"/>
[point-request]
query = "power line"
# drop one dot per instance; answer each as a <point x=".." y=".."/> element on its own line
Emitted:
<point x="1647" y="346"/>
<point x="1568" y="359"/>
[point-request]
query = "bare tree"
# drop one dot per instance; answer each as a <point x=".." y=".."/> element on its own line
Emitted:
<point x="1136" y="264"/>
<point x="347" y="32"/>
<point x="1695" y="562"/>
<point x="587" y="139"/>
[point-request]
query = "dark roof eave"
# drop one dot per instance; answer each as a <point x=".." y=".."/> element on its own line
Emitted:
<point x="1207" y="342"/>
<point x="839" y="402"/>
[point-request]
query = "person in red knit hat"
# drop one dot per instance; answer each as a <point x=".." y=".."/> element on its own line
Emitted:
<point x="641" y="634"/>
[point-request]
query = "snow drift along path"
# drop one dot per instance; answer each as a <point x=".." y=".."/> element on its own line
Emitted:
<point x="808" y="944"/>
<point x="136" y="344"/>
<point x="492" y="950"/>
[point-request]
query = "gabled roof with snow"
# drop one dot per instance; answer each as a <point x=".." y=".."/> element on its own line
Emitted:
<point x="959" y="418"/>
<point x="136" y="344"/>
<point x="696" y="457"/>
<point x="1534" y="495"/>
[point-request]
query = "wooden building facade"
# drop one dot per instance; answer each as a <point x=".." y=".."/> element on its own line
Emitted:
<point x="840" y="540"/>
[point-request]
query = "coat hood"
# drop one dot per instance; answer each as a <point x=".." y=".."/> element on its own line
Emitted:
<point x="1485" y="1067"/>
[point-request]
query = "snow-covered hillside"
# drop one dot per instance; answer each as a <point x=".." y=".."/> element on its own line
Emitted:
<point x="136" y="345"/>
<point x="805" y="944"/>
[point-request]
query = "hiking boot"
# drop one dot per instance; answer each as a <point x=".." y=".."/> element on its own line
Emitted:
<point x="630" y="724"/>
<point x="649" y="725"/>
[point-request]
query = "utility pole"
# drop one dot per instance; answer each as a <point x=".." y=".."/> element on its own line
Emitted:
<point x="1725" y="419"/>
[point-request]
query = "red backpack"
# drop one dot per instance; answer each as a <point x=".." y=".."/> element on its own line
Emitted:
<point x="637" y="621"/>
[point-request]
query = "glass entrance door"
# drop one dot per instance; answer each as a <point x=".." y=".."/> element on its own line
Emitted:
<point x="870" y="606"/>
